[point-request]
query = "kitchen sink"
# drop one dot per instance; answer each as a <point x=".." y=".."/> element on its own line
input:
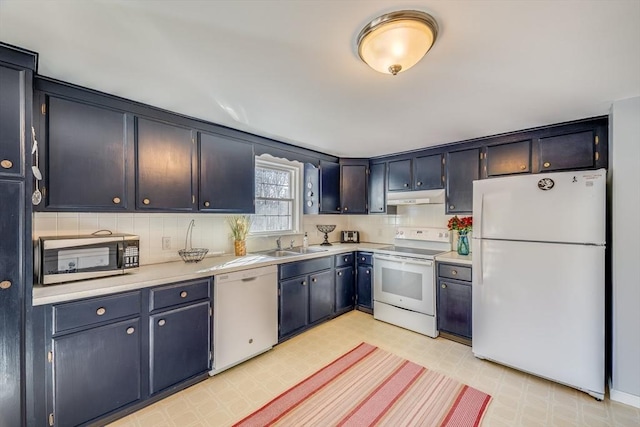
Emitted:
<point x="298" y="250"/>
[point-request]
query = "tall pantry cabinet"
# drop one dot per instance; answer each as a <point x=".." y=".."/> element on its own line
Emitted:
<point x="16" y="73"/>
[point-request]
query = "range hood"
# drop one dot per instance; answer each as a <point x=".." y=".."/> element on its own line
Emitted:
<point x="421" y="197"/>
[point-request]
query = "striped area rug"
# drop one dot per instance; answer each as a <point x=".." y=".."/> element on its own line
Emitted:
<point x="369" y="386"/>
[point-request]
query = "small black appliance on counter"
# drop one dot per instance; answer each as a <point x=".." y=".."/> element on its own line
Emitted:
<point x="350" y="237"/>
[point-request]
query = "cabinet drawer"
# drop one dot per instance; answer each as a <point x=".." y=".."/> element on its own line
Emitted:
<point x="458" y="272"/>
<point x="344" y="259"/>
<point x="365" y="258"/>
<point x="294" y="269"/>
<point x="179" y="293"/>
<point x="96" y="310"/>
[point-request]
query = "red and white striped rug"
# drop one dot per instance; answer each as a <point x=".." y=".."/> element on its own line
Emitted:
<point x="369" y="386"/>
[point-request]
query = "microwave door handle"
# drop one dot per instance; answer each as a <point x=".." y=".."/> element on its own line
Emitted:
<point x="120" y="255"/>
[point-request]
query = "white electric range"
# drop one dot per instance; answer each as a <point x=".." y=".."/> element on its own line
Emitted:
<point x="404" y="292"/>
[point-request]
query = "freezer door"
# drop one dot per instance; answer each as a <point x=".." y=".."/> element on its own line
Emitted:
<point x="553" y="207"/>
<point x="539" y="307"/>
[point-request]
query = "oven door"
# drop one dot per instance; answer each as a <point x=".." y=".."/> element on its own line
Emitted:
<point x="404" y="282"/>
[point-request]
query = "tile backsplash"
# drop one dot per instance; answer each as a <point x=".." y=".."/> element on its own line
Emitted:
<point x="211" y="230"/>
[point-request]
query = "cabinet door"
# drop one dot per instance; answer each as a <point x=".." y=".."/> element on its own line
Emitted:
<point x="227" y="175"/>
<point x="166" y="155"/>
<point x="508" y="159"/>
<point x="321" y="295"/>
<point x="377" y="188"/>
<point x="567" y="152"/>
<point x="89" y="156"/>
<point x="463" y="167"/>
<point x="179" y="345"/>
<point x="354" y="188"/>
<point x="11" y="299"/>
<point x="96" y="371"/>
<point x="399" y="175"/>
<point x="345" y="290"/>
<point x="12" y="102"/>
<point x="454" y="307"/>
<point x="365" y="272"/>
<point x="427" y="172"/>
<point x="294" y="304"/>
<point x="329" y="187"/>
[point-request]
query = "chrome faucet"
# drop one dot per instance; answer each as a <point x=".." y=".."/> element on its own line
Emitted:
<point x="279" y="243"/>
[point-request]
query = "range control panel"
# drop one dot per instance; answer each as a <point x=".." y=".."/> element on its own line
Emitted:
<point x="442" y="235"/>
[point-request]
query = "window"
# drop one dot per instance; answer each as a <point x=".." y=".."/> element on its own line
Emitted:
<point x="277" y="201"/>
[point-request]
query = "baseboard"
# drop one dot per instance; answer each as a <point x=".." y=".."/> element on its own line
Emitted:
<point x="626" y="398"/>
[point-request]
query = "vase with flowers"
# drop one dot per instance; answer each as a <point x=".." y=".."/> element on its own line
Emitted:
<point x="463" y="226"/>
<point x="240" y="226"/>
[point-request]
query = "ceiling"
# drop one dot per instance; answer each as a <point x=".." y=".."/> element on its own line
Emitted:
<point x="289" y="70"/>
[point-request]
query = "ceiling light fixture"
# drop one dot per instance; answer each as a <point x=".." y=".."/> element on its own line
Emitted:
<point x="396" y="41"/>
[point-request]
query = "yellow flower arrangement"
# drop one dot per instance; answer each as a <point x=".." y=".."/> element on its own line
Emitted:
<point x="240" y="226"/>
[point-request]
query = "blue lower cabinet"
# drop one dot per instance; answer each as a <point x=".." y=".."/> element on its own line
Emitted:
<point x="345" y="289"/>
<point x="179" y="345"/>
<point x="321" y="295"/>
<point x="294" y="305"/>
<point x="96" y="371"/>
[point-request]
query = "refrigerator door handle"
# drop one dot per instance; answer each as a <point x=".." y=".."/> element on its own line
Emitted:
<point x="481" y="215"/>
<point x="480" y="273"/>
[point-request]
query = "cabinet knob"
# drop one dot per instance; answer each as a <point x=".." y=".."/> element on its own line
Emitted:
<point x="346" y="259"/>
<point x="206" y="204"/>
<point x="452" y="207"/>
<point x="362" y="259"/>
<point x="523" y="167"/>
<point x="380" y="209"/>
<point x="304" y="283"/>
<point x="368" y="271"/>
<point x="419" y="183"/>
<point x="161" y="322"/>
<point x="443" y="286"/>
<point x="405" y="185"/>
<point x="130" y="330"/>
<point x="454" y="272"/>
<point x="6" y="164"/>
<point x="146" y="201"/>
<point x="346" y="209"/>
<point x="546" y="164"/>
<point x="338" y="208"/>
<point x="116" y="200"/>
<point x="314" y="280"/>
<point x="183" y="294"/>
<point x="101" y="311"/>
<point x="339" y="273"/>
<point x="5" y="284"/>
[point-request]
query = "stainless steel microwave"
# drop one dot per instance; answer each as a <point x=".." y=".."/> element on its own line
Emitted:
<point x="62" y="259"/>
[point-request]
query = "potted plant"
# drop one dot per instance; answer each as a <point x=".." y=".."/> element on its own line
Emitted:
<point x="239" y="225"/>
<point x="463" y="226"/>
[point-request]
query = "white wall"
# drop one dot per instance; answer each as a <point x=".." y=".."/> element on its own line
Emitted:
<point x="624" y="128"/>
<point x="211" y="231"/>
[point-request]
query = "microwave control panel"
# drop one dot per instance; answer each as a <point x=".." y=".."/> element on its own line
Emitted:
<point x="131" y="255"/>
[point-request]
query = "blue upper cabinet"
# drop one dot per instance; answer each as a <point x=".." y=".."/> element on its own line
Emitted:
<point x="507" y="159"/>
<point x="354" y="177"/>
<point x="399" y="178"/>
<point x="427" y="172"/>
<point x="166" y="155"/>
<point x="463" y="167"/>
<point x="12" y="100"/>
<point x="571" y="151"/>
<point x="227" y="175"/>
<point x="88" y="156"/>
<point x="329" y="188"/>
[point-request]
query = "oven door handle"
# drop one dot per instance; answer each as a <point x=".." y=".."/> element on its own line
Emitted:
<point x="406" y="260"/>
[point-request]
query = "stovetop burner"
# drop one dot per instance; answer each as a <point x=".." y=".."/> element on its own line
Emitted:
<point x="403" y="250"/>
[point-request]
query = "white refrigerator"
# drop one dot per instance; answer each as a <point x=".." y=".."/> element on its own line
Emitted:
<point x="539" y="275"/>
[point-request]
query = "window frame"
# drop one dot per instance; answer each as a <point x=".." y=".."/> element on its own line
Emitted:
<point x="267" y="161"/>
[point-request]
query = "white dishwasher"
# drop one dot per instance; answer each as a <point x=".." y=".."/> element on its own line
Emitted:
<point x="245" y="315"/>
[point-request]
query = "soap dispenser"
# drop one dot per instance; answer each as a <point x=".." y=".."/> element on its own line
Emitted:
<point x="305" y="241"/>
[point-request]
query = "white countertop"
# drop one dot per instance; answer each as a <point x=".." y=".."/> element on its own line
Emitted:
<point x="455" y="258"/>
<point x="176" y="271"/>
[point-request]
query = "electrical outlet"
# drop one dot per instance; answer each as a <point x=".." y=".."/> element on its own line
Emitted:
<point x="166" y="243"/>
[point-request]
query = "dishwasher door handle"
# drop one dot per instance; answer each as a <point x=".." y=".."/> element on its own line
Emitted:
<point x="249" y="279"/>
